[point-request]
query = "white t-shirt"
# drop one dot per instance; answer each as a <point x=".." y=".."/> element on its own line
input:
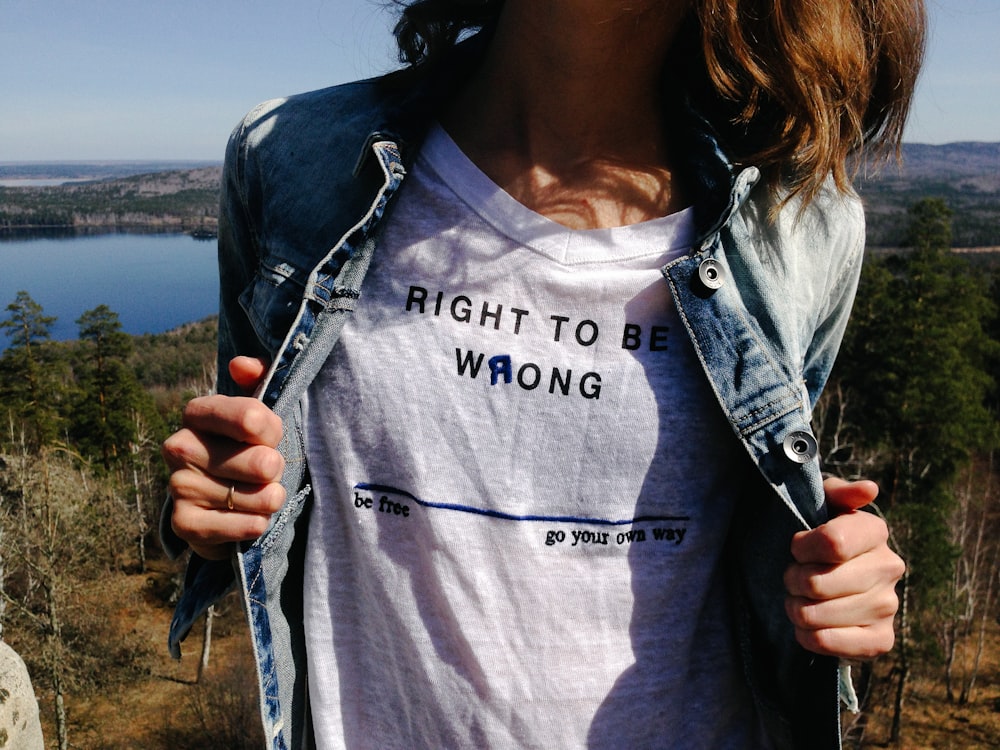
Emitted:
<point x="523" y="485"/>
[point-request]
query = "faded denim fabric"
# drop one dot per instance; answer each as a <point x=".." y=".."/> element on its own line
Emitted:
<point x="307" y="183"/>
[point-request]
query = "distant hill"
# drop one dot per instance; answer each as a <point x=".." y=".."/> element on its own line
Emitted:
<point x="92" y="170"/>
<point x="965" y="175"/>
<point x="979" y="162"/>
<point x="184" y="195"/>
<point x="175" y="200"/>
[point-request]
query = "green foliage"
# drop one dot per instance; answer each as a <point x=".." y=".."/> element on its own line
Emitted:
<point x="993" y="331"/>
<point x="25" y="324"/>
<point x="106" y="392"/>
<point x="915" y="373"/>
<point x="102" y="328"/>
<point x="29" y="385"/>
<point x="174" y="367"/>
<point x="929" y="230"/>
<point x="179" y="359"/>
<point x="916" y="355"/>
<point x="110" y="405"/>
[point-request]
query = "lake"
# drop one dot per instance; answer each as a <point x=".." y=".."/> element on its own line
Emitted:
<point x="154" y="282"/>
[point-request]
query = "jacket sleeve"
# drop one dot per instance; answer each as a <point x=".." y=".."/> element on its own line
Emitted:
<point x="239" y="255"/>
<point x="845" y="251"/>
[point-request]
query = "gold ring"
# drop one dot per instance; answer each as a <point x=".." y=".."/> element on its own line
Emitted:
<point x="229" y="496"/>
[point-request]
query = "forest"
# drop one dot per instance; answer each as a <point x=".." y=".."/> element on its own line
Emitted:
<point x="176" y="200"/>
<point x="85" y="591"/>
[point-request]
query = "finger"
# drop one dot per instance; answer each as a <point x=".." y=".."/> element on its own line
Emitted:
<point x="843" y="496"/>
<point x="203" y="529"/>
<point x="848" y="643"/>
<point x="261" y="499"/>
<point x="201" y="516"/>
<point x="880" y="567"/>
<point x="247" y="372"/>
<point x="840" y="539"/>
<point x="869" y="608"/>
<point x="852" y="627"/>
<point x="239" y="418"/>
<point x="222" y="458"/>
<point x="194" y="491"/>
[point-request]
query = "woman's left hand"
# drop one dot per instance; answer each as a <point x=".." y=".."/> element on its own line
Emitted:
<point x="842" y="585"/>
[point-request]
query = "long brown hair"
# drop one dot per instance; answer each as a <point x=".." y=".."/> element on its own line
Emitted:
<point x="824" y="77"/>
<point x="799" y="85"/>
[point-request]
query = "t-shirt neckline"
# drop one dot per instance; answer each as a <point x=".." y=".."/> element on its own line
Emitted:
<point x="658" y="240"/>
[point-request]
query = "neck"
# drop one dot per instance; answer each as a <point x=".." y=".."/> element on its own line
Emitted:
<point x="566" y="113"/>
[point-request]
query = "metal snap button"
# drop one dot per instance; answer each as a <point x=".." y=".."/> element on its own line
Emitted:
<point x="800" y="447"/>
<point x="710" y="274"/>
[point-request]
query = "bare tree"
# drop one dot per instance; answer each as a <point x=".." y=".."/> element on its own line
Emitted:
<point x="972" y="588"/>
<point x="52" y="542"/>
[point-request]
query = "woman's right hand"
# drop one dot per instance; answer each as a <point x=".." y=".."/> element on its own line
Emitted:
<point x="225" y="469"/>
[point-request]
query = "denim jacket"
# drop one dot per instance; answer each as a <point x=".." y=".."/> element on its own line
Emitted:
<point x="307" y="184"/>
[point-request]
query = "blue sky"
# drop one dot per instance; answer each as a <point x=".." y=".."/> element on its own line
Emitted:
<point x="138" y="79"/>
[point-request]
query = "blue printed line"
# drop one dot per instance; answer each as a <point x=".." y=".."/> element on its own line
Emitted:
<point x="510" y="516"/>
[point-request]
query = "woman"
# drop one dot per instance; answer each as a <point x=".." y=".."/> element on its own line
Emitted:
<point x="544" y="316"/>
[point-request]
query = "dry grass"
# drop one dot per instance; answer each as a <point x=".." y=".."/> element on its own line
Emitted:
<point x="932" y="723"/>
<point x="161" y="711"/>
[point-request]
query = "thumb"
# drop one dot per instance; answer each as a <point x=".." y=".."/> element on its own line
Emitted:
<point x="843" y="496"/>
<point x="247" y="372"/>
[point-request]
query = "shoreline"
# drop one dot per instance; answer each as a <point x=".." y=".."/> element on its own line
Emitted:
<point x="69" y="231"/>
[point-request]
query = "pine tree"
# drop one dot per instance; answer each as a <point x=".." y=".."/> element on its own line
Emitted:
<point x="109" y="393"/>
<point x="915" y="366"/>
<point x="29" y="390"/>
<point x="114" y="420"/>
